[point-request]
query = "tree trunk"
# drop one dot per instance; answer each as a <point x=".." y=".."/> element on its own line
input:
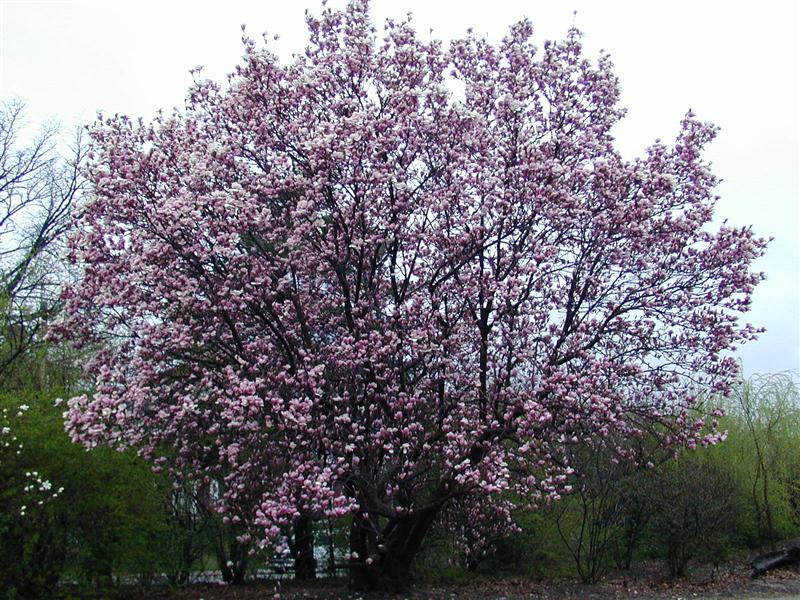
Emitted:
<point x="231" y="557"/>
<point x="305" y="565"/>
<point x="385" y="564"/>
<point x="331" y="551"/>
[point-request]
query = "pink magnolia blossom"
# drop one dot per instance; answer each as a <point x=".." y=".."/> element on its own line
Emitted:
<point x="338" y="287"/>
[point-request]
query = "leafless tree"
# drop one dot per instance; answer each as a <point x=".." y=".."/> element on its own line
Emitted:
<point x="38" y="191"/>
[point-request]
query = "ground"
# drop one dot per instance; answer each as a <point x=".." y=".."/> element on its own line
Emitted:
<point x="730" y="581"/>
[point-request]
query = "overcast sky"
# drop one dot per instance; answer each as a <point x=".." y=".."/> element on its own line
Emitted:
<point x="733" y="63"/>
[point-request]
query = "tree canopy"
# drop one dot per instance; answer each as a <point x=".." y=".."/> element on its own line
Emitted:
<point x="390" y="278"/>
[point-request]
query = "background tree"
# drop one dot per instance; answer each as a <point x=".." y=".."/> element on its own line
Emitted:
<point x="38" y="189"/>
<point x="337" y="287"/>
<point x="768" y="407"/>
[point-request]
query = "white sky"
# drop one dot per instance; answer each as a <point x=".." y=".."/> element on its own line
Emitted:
<point x="733" y="63"/>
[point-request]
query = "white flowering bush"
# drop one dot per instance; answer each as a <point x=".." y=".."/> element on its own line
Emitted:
<point x="74" y="521"/>
<point x="27" y="497"/>
<point x="29" y="487"/>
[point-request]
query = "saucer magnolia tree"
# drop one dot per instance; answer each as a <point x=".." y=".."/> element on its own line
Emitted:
<point x="390" y="276"/>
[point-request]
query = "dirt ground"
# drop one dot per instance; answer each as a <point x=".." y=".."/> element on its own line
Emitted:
<point x="730" y="581"/>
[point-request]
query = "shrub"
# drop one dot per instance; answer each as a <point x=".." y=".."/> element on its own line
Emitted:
<point x="695" y="511"/>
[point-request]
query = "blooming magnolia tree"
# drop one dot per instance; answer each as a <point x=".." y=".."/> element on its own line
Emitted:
<point x="390" y="276"/>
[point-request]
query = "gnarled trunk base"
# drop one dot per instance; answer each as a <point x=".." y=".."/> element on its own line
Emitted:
<point x="385" y="563"/>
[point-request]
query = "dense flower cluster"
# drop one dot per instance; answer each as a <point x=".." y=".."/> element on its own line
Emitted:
<point x="340" y="286"/>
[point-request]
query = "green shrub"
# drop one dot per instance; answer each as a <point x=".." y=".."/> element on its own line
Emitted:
<point x="108" y="523"/>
